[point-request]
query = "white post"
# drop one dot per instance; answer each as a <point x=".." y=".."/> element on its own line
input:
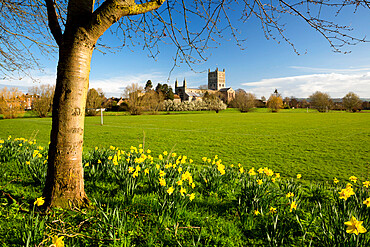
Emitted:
<point x="101" y="116"/>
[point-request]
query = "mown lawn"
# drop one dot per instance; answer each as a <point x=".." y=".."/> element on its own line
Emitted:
<point x="318" y="145"/>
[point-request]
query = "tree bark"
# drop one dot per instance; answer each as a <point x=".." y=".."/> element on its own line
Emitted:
<point x="64" y="183"/>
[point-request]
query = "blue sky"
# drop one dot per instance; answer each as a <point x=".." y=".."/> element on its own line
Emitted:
<point x="259" y="68"/>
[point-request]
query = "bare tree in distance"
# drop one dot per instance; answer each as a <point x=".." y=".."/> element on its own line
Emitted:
<point x="42" y="99"/>
<point x="77" y="25"/>
<point x="12" y="102"/>
<point x="244" y="101"/>
<point x="352" y="102"/>
<point x="94" y="100"/>
<point x="134" y="94"/>
<point x="320" y="101"/>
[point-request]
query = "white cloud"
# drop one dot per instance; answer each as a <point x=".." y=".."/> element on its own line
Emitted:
<point x="328" y="70"/>
<point x="335" y="84"/>
<point x="111" y="86"/>
<point x="115" y="86"/>
<point x="23" y="84"/>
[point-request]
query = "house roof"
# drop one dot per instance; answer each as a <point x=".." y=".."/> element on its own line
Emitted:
<point x="225" y="89"/>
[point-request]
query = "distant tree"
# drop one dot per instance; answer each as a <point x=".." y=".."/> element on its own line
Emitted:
<point x="352" y="102"/>
<point x="214" y="103"/>
<point x="148" y="86"/>
<point x="42" y="99"/>
<point x="204" y="87"/>
<point x="94" y="100"/>
<point x="263" y="98"/>
<point x="151" y="101"/>
<point x="320" y="101"/>
<point x="244" y="101"/>
<point x="293" y="102"/>
<point x="134" y="94"/>
<point x="286" y="102"/>
<point x="12" y="103"/>
<point x="165" y="90"/>
<point x="275" y="102"/>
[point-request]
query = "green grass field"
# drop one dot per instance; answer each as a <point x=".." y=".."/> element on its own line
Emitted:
<point x="320" y="146"/>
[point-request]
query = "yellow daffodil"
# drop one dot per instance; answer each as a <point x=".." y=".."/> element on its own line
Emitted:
<point x="259" y="182"/>
<point x="367" y="202"/>
<point x="174" y="155"/>
<point x="131" y="169"/>
<point x="165" y="153"/>
<point x="290" y="194"/>
<point x="299" y="176"/>
<point x="27" y="162"/>
<point x="39" y="201"/>
<point x="135" y="174"/>
<point x="241" y="169"/>
<point x="353" y="179"/>
<point x="162" y="173"/>
<point x="162" y="182"/>
<point x="57" y="242"/>
<point x="354" y="226"/>
<point x="272" y="210"/>
<point x="192" y="185"/>
<point x="273" y="180"/>
<point x="179" y="182"/>
<point x="192" y="196"/>
<point x="260" y="170"/>
<point x="157" y="166"/>
<point x="146" y="171"/>
<point x="366" y="184"/>
<point x="293" y="206"/>
<point x="179" y="170"/>
<point x="160" y="157"/>
<point x="170" y="190"/>
<point x="277" y="175"/>
<point x="269" y="172"/>
<point x="204" y="159"/>
<point x="182" y="191"/>
<point x="256" y="212"/>
<point x="335" y="181"/>
<point x="346" y="193"/>
<point x="251" y="172"/>
<point x="191" y="161"/>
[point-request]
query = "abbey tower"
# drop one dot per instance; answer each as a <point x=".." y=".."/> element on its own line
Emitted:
<point x="216" y="79"/>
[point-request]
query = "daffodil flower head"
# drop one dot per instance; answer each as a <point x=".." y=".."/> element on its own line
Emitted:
<point x="367" y="202"/>
<point x="39" y="201"/>
<point x="293" y="205"/>
<point x="353" y="179"/>
<point x="170" y="190"/>
<point x="57" y="241"/>
<point x="192" y="196"/>
<point x="354" y="226"/>
<point x="366" y="184"/>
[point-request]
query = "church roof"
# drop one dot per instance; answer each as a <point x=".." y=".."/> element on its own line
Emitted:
<point x="225" y="89"/>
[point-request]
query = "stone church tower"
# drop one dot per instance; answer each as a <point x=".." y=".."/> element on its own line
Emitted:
<point x="216" y="79"/>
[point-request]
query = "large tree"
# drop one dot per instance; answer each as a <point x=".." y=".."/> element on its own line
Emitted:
<point x="77" y="25"/>
<point x="352" y="102"/>
<point x="320" y="101"/>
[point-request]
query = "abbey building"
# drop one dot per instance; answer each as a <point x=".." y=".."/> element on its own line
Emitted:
<point x="216" y="85"/>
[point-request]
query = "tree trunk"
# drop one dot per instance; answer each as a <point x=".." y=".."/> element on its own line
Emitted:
<point x="64" y="183"/>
